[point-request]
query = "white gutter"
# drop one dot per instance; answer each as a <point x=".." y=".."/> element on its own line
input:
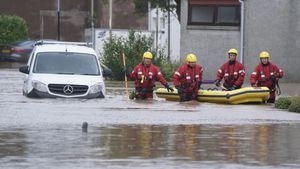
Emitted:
<point x="149" y="16"/>
<point x="242" y="32"/>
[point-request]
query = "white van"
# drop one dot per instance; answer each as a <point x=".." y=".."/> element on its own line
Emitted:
<point x="63" y="69"/>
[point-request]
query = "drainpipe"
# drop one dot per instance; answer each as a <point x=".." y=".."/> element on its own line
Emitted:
<point x="110" y="19"/>
<point x="149" y="16"/>
<point x="242" y="31"/>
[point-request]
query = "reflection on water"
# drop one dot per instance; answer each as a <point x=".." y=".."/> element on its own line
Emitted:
<point x="247" y="144"/>
<point x="138" y="145"/>
<point x="12" y="143"/>
<point x="9" y="65"/>
<point x="250" y="145"/>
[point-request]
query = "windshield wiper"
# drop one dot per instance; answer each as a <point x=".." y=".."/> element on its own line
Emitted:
<point x="66" y="73"/>
<point x="92" y="74"/>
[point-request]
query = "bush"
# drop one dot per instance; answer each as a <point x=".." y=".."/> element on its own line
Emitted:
<point x="133" y="47"/>
<point x="295" y="105"/>
<point x="283" y="103"/>
<point x="12" y="28"/>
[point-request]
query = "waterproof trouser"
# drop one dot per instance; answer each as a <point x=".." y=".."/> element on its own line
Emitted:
<point x="188" y="96"/>
<point x="144" y="93"/>
<point x="272" y="96"/>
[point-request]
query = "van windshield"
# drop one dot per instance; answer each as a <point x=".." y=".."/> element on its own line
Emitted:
<point x="66" y="63"/>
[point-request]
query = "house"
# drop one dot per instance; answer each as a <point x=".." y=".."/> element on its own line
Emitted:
<point x="75" y="15"/>
<point x="210" y="27"/>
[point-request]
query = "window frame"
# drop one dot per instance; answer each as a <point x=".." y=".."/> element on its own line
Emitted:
<point x="215" y="15"/>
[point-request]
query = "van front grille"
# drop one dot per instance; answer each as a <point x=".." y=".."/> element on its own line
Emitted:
<point x="68" y="89"/>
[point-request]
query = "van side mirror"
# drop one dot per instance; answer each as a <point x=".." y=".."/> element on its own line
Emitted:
<point x="106" y="71"/>
<point x="24" y="69"/>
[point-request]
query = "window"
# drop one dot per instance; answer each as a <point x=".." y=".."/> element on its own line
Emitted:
<point x="214" y="12"/>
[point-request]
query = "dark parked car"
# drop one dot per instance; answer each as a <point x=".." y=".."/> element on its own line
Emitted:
<point x="17" y="51"/>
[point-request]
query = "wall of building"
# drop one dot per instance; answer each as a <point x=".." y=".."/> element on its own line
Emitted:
<point x="163" y="32"/>
<point x="124" y="15"/>
<point x="274" y="25"/>
<point x="209" y="43"/>
<point x="41" y="17"/>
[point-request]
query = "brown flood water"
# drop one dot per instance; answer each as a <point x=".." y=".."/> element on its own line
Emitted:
<point x="46" y="133"/>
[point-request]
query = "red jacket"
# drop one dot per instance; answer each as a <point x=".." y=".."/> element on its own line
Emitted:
<point x="145" y="76"/>
<point x="266" y="75"/>
<point x="188" y="78"/>
<point x="233" y="74"/>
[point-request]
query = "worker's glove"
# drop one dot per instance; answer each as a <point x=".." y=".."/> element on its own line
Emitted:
<point x="232" y="88"/>
<point x="169" y="88"/>
<point x="125" y="71"/>
<point x="179" y="90"/>
<point x="253" y="85"/>
<point x="217" y="83"/>
<point x="199" y="85"/>
<point x="133" y="95"/>
<point x="144" y="90"/>
<point x="274" y="76"/>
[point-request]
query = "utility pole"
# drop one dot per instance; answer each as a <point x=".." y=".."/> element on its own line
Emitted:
<point x="92" y="24"/>
<point x="58" y="19"/>
<point x="110" y="19"/>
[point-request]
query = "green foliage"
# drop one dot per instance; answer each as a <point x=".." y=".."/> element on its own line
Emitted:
<point x="133" y="47"/>
<point x="12" y="28"/>
<point x="283" y="103"/>
<point x="295" y="105"/>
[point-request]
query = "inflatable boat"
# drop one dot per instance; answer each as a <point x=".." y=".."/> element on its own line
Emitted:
<point x="239" y="96"/>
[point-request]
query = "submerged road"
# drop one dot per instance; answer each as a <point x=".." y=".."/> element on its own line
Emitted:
<point x="46" y="133"/>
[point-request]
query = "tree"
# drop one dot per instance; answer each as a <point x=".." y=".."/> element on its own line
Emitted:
<point x="141" y="6"/>
<point x="12" y="28"/>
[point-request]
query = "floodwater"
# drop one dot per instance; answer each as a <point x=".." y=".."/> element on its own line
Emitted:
<point x="157" y="134"/>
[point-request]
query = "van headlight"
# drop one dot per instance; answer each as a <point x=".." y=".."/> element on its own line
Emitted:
<point x="96" y="88"/>
<point x="39" y="86"/>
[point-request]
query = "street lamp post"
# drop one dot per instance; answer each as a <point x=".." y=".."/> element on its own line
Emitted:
<point x="58" y="19"/>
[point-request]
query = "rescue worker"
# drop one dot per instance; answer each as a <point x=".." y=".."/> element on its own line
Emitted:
<point x="188" y="78"/>
<point x="145" y="74"/>
<point x="266" y="74"/>
<point x="232" y="71"/>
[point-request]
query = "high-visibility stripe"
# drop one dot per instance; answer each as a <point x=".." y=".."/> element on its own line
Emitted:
<point x="177" y="73"/>
<point x="220" y="71"/>
<point x="280" y="70"/>
<point x="157" y="73"/>
<point x="242" y="71"/>
<point x="254" y="73"/>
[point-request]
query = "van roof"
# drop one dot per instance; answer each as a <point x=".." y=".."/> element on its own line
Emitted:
<point x="64" y="48"/>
